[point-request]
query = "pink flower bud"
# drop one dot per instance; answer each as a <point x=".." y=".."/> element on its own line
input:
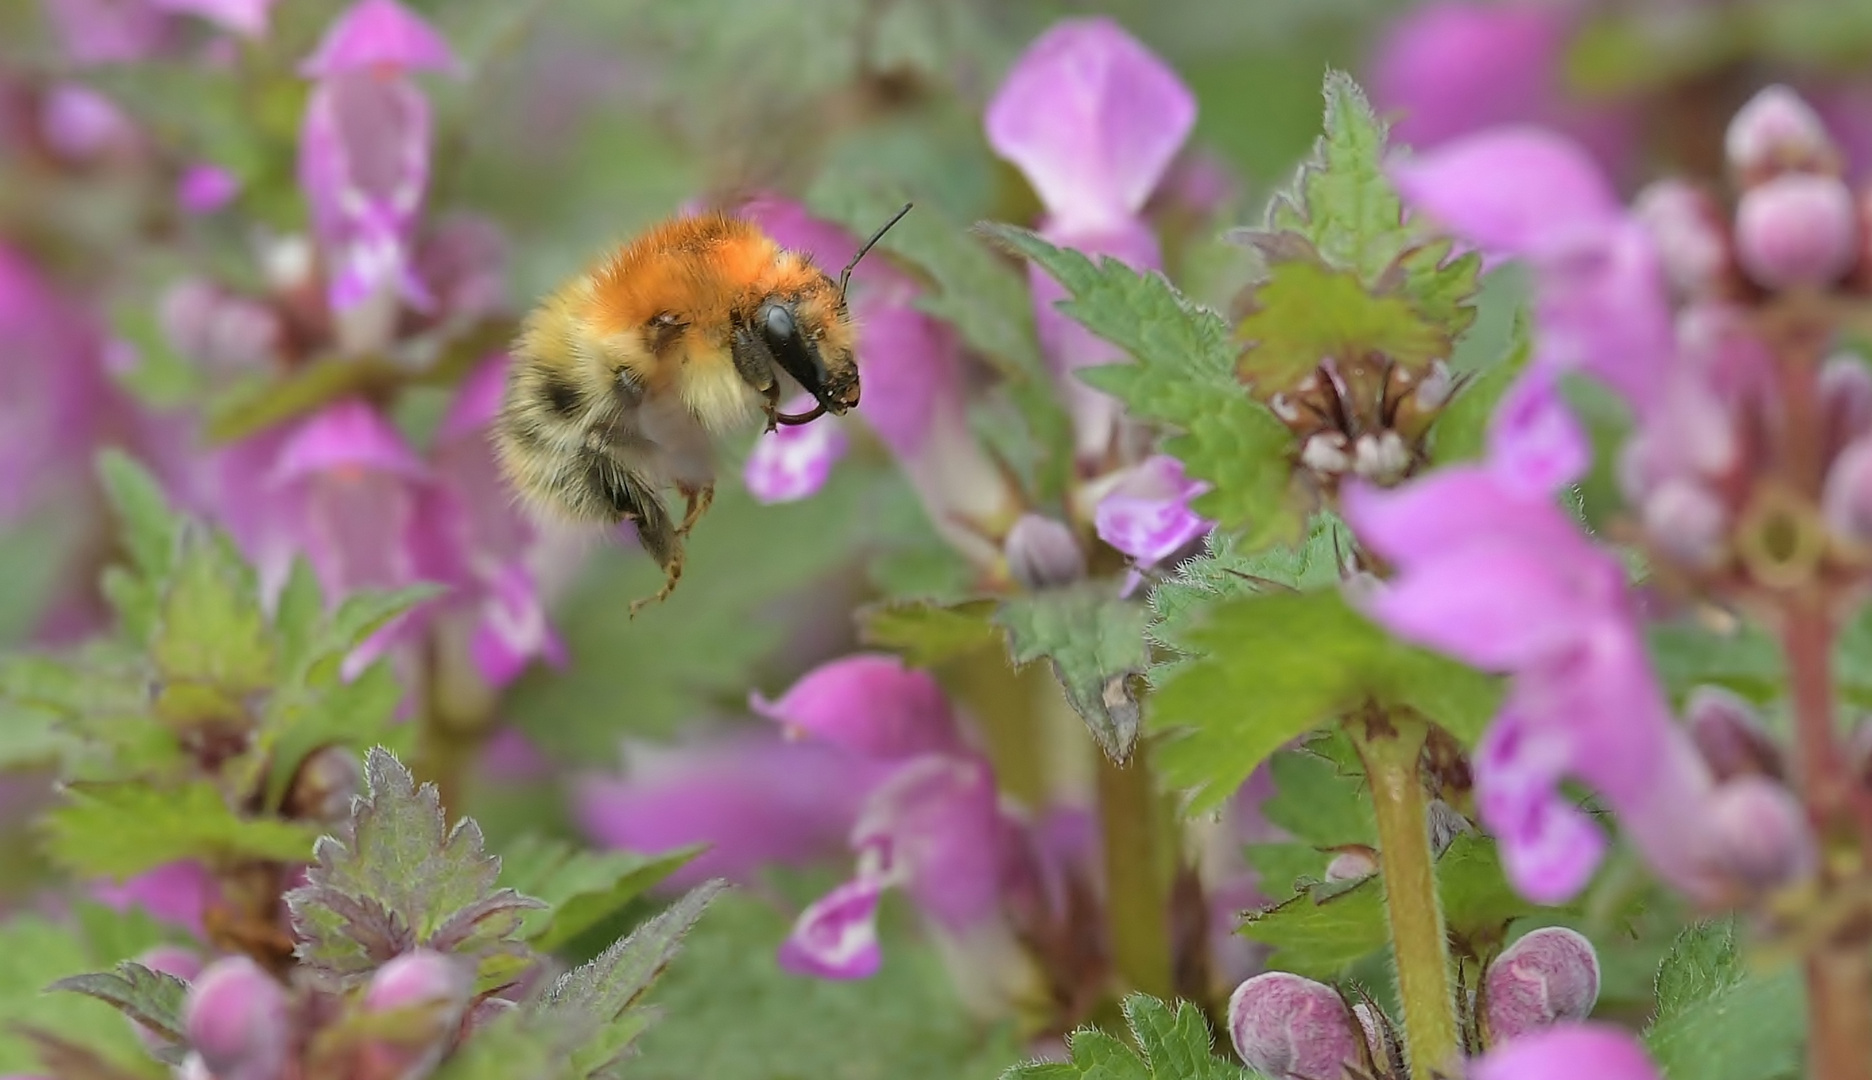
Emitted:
<point x="438" y="985"/>
<point x="1686" y="521"/>
<point x="1730" y="735"/>
<point x="1292" y="1028"/>
<point x="1776" y="132"/>
<point x="1845" y="387"/>
<point x="1550" y="975"/>
<point x="1762" y="836"/>
<point x="1846" y="501"/>
<point x="237" y="1020"/>
<point x="1692" y="237"/>
<point x="1796" y="230"/>
<point x="1042" y="552"/>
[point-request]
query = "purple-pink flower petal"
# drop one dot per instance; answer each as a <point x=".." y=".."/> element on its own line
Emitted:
<point x="1567" y="1052"/>
<point x="204" y="188"/>
<point x="793" y="462"/>
<point x="245" y="17"/>
<point x="1093" y="119"/>
<point x="1511" y="191"/>
<point x="349" y="436"/>
<point x="868" y="704"/>
<point x="836" y="937"/>
<point x="936" y="826"/>
<point x="379" y="34"/>
<point x="1147" y="514"/>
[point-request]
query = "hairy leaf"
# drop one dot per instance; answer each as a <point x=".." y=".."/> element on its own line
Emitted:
<point x="1320" y="803"/>
<point x="1182" y="375"/>
<point x="603" y="996"/>
<point x="213" y="634"/>
<point x="579" y="888"/>
<point x="1342" y="202"/>
<point x="1719" y="1020"/>
<point x="1273" y="666"/>
<point x="151" y="998"/>
<point x="397" y="877"/>
<point x="1304" y="311"/>
<point x="1171" y="1045"/>
<point x="1094" y="642"/>
<point x="122" y="829"/>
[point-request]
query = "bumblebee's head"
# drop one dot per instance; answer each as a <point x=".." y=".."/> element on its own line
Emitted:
<point x="813" y="348"/>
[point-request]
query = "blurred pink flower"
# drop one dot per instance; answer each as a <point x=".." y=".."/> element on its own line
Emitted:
<point x="179" y="893"/>
<point x="793" y="462"/>
<point x="1566" y="1052"/>
<point x="364" y="155"/>
<point x="80" y="123"/>
<point x="1451" y="68"/>
<point x="478" y="541"/>
<point x="55" y="400"/>
<point x="245" y="17"/>
<point x="1146" y="513"/>
<point x="108" y="31"/>
<point x="205" y="188"/>
<point x="1094" y="121"/>
<point x="1602" y="301"/>
<point x="868" y="704"/>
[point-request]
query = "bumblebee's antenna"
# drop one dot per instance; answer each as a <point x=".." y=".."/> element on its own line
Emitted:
<point x="845" y="274"/>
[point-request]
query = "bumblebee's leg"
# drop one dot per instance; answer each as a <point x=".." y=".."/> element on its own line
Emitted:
<point x="672" y="574"/>
<point x="756" y="364"/>
<point x="699" y="501"/>
<point x="631" y="499"/>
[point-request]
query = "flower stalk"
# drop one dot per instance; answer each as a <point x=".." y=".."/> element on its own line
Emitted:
<point x="1137" y="883"/>
<point x="1390" y="745"/>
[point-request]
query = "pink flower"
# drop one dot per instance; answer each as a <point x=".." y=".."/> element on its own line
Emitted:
<point x="1146" y="515"/>
<point x="81" y="124"/>
<point x="1565" y="1052"/>
<point x="1094" y="121"/>
<point x="477" y="541"/>
<point x="364" y="151"/>
<point x="793" y="462"/>
<point x="179" y="893"/>
<point x="754" y="799"/>
<point x="108" y="31"/>
<point x="204" y="188"/>
<point x="1451" y="68"/>
<point x="1491" y="570"/>
<point x="247" y="18"/>
<point x="870" y="705"/>
<point x="54" y="398"/>
<point x="1525" y="193"/>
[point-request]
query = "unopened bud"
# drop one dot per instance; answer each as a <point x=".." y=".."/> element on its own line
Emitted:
<point x="1778" y="132"/>
<point x="1692" y="237"/>
<point x="1550" y="975"/>
<point x="1797" y="230"/>
<point x="1762" y="836"/>
<point x="1685" y="520"/>
<point x="1846" y="500"/>
<point x="438" y="987"/>
<point x="322" y="789"/>
<point x="1352" y="863"/>
<point x="1730" y="735"/>
<point x="1042" y="553"/>
<point x="1292" y="1028"/>
<point x="1845" y="387"/>
<point x="236" y="1018"/>
<point x="1381" y="1038"/>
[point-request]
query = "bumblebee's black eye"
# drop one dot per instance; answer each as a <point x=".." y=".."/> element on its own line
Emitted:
<point x="778" y="326"/>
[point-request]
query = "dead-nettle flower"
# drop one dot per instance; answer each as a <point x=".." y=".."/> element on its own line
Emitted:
<point x="364" y="162"/>
<point x="1093" y="120"/>
<point x="1144" y="512"/>
<point x="96" y="32"/>
<point x="237" y="1021"/>
<point x="1042" y="552"/>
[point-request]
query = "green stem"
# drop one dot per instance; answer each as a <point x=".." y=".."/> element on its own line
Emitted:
<point x="457" y="718"/>
<point x="1137" y="885"/>
<point x="1390" y="746"/>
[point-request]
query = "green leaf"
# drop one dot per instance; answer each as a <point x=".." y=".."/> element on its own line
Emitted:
<point x="1304" y="311"/>
<point x="1183" y="375"/>
<point x="1719" y="1020"/>
<point x="148" y="528"/>
<point x="301" y="719"/>
<point x="1343" y="203"/>
<point x="1094" y="641"/>
<point x="397" y="877"/>
<point x="904" y="1023"/>
<point x="121" y="829"/>
<point x="151" y="998"/>
<point x="1461" y="430"/>
<point x="579" y="888"/>
<point x="1320" y="803"/>
<point x="1270" y="667"/>
<point x="1225" y="571"/>
<point x="213" y="634"/>
<point x="36" y="952"/>
<point x="1324" y="929"/>
<point x="602" y="997"/>
<point x="1171" y="1045"/>
<point x="927" y="633"/>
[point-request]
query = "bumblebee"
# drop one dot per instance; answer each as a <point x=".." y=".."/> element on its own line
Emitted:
<point x="624" y="378"/>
